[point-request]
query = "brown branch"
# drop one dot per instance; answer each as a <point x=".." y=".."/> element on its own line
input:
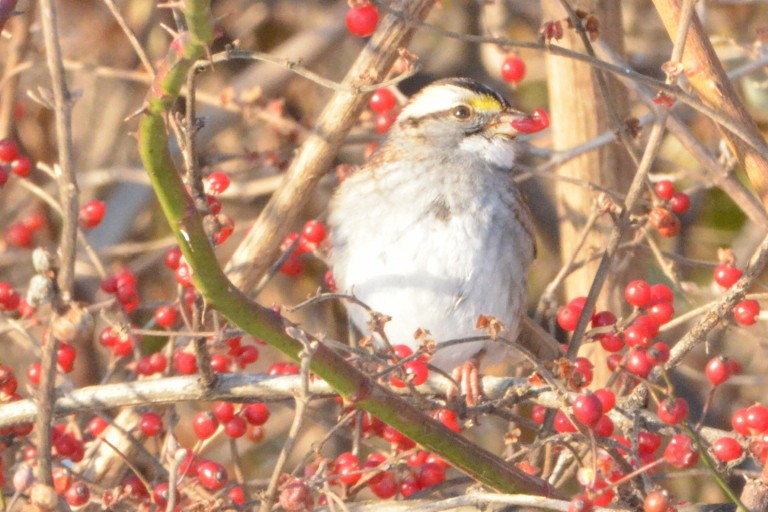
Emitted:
<point x="707" y="76"/>
<point x="256" y="253"/>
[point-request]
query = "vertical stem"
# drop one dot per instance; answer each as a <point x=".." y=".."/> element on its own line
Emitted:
<point x="68" y="243"/>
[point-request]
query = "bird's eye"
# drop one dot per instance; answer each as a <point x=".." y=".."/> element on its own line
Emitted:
<point x="462" y="112"/>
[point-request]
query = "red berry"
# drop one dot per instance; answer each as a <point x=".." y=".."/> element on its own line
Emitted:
<point x="184" y="362"/>
<point x="430" y="474"/>
<point x="538" y="414"/>
<point x="220" y="363"/>
<point x="681" y="452"/>
<point x="727" y="449"/>
<point x="173" y="258"/>
<point x="648" y="442"/>
<point x="314" y="231"/>
<point x="562" y="424"/>
<point x="611" y="342"/>
<point x="204" y="424"/>
<point x="746" y="311"/>
<point x="65" y="357"/>
<point x="62" y="480"/>
<point x="21" y="166"/>
<point x="91" y="214"/>
<point x="673" y="411"/>
<point x="18" y="235"/>
<point x="183" y="274"/>
<point x="165" y="316"/>
<point x="638" y="363"/>
<point x="96" y="426"/>
<point x="661" y="312"/>
<point x="292" y="266"/>
<point x="638" y="336"/>
<point x="587" y="409"/>
<point x="604" y="426"/>
<point x="236" y="495"/>
<point x="151" y="424"/>
<point x="718" y="370"/>
<point x="34" y="373"/>
<point x="680" y="202"/>
<point x="568" y="317"/>
<point x="665" y="222"/>
<point x="384" y="485"/>
<point x="382" y="100"/>
<point x="584" y="367"/>
<point x="384" y="121"/>
<point x="757" y="419"/>
<point x="212" y="476"/>
<point x="217" y="183"/>
<point x="607" y="398"/>
<point x="78" y="494"/>
<point x="664" y="189"/>
<point x="347" y="466"/>
<point x="236" y="427"/>
<point x="739" y="422"/>
<point x="224" y="411"/>
<point x="362" y="20"/>
<point x="513" y="69"/>
<point x="637" y="293"/>
<point x="603" y="319"/>
<point x="661" y="293"/>
<point x="256" y="413"/>
<point x="161" y="495"/>
<point x="726" y="275"/>
<point x="9" y="150"/>
<point x="415" y="371"/>
<point x="3" y="175"/>
<point x="409" y="485"/>
<point x="448" y="418"/>
<point x="658" y="353"/>
<point x="657" y="501"/>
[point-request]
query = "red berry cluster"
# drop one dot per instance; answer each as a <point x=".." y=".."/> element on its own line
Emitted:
<point x="726" y="274"/>
<point x="12" y="161"/>
<point x="664" y="217"/>
<point x="309" y="239"/>
<point x="20" y="234"/>
<point x="124" y="285"/>
<point x="414" y="371"/>
<point x="384" y="104"/>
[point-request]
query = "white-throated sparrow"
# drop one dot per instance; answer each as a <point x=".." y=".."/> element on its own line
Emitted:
<point x="432" y="230"/>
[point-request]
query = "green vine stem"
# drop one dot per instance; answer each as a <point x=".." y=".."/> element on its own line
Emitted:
<point x="220" y="294"/>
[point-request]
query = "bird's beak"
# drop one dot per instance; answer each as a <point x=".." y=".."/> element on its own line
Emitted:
<point x="512" y="123"/>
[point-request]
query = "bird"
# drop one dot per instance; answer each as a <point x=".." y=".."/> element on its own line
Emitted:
<point x="433" y="231"/>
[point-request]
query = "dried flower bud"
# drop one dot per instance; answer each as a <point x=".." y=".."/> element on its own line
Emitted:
<point x="43" y="261"/>
<point x="75" y="325"/>
<point x="40" y="290"/>
<point x="665" y="222"/>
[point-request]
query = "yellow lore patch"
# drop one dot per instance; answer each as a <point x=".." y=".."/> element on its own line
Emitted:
<point x="485" y="103"/>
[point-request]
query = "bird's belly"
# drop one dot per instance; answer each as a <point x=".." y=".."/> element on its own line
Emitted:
<point x="436" y="276"/>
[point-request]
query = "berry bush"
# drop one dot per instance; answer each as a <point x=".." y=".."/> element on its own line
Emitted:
<point x="170" y="327"/>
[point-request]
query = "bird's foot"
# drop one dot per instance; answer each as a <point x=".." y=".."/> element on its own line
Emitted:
<point x="469" y="386"/>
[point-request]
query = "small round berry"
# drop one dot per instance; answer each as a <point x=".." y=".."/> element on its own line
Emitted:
<point x="661" y="293"/>
<point x="362" y="20"/>
<point x="607" y="398"/>
<point x="384" y="487"/>
<point x="680" y="202"/>
<point x="657" y="501"/>
<point x="513" y="69"/>
<point x="638" y="363"/>
<point x="204" y="424"/>
<point x="604" y="426"/>
<point x="726" y="275"/>
<point x="382" y="100"/>
<point x="173" y="258"/>
<point x="384" y="121"/>
<point x="739" y="422"/>
<point x="78" y="494"/>
<point x="448" y="418"/>
<point x="184" y="362"/>
<point x="161" y="494"/>
<point x="9" y="150"/>
<point x="665" y="222"/>
<point x="568" y="317"/>
<point x="661" y="312"/>
<point x="603" y="319"/>
<point x="314" y="231"/>
<point x="637" y="293"/>
<point x="718" y="370"/>
<point x="757" y="419"/>
<point x="96" y="426"/>
<point x="648" y="442"/>
<point x="212" y="476"/>
<point x="746" y="311"/>
<point x="611" y="342"/>
<point x="664" y="189"/>
<point x="65" y="357"/>
<point x="165" y="316"/>
<point x="236" y="427"/>
<point x="658" y="353"/>
<point x="727" y="449"/>
<point x="150" y="424"/>
<point x="21" y="166"/>
<point x="217" y="183"/>
<point x="562" y="424"/>
<point x="587" y="409"/>
<point x="91" y="214"/>
<point x="637" y="336"/>
<point x="673" y="411"/>
<point x="256" y="413"/>
<point x="681" y="452"/>
<point x="430" y="474"/>
<point x="224" y="411"/>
